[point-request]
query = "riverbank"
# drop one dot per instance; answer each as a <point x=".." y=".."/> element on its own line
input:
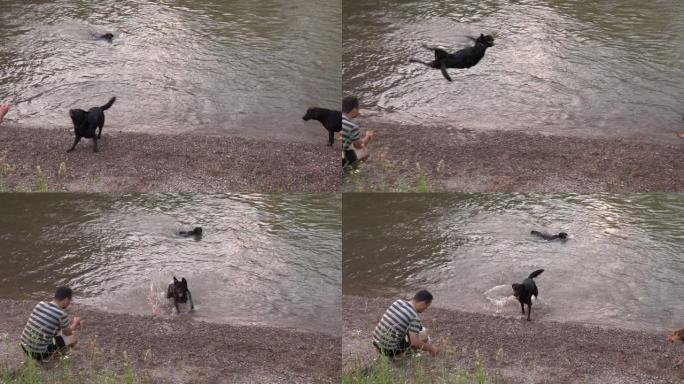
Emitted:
<point x="462" y="160"/>
<point x="36" y="159"/>
<point x="181" y="350"/>
<point x="516" y="351"/>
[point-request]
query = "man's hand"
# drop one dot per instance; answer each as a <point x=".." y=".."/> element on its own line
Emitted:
<point x="76" y="321"/>
<point x="4" y="108"/>
<point x="434" y="351"/>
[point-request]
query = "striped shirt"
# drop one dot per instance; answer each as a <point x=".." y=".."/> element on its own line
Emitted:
<point x="46" y="320"/>
<point x="350" y="132"/>
<point x="399" y="319"/>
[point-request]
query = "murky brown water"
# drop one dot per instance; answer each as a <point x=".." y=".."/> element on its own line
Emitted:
<point x="263" y="259"/>
<point x="221" y="67"/>
<point x="608" y="68"/>
<point x="622" y="265"/>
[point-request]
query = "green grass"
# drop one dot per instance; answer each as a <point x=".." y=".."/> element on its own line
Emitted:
<point x="381" y="176"/>
<point x="41" y="183"/>
<point x="94" y="366"/>
<point x="416" y="370"/>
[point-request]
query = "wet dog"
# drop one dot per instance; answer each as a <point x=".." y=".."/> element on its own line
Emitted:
<point x="102" y="36"/>
<point x="87" y="122"/>
<point x="196" y="233"/>
<point x="465" y="58"/>
<point x="331" y="120"/>
<point x="546" y="236"/>
<point x="524" y="292"/>
<point x="178" y="290"/>
<point x="677" y="335"/>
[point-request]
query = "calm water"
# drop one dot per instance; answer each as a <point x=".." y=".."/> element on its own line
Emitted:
<point x="264" y="259"/>
<point x="605" y="68"/>
<point x="622" y="266"/>
<point x="220" y="67"/>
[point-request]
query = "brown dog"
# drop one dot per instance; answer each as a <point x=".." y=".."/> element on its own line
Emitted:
<point x="677" y="335"/>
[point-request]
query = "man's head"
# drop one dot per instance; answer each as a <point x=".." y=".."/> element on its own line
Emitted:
<point x="350" y="106"/>
<point x="63" y="297"/>
<point x="422" y="300"/>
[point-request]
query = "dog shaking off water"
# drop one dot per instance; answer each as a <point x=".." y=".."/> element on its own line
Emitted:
<point x="87" y="122"/>
<point x="524" y="292"/>
<point x="178" y="290"/>
<point x="465" y="58"/>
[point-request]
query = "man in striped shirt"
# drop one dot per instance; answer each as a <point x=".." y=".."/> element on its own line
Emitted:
<point x="48" y="329"/>
<point x="401" y="329"/>
<point x="354" y="144"/>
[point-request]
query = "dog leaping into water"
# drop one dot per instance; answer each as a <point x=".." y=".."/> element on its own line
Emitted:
<point x="465" y="58"/>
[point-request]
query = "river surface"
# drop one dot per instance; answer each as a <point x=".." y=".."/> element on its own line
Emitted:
<point x="580" y="68"/>
<point x="247" y="68"/>
<point x="264" y="259"/>
<point x="622" y="265"/>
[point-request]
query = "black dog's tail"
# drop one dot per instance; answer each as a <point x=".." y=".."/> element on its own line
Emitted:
<point x="535" y="273"/>
<point x="109" y="104"/>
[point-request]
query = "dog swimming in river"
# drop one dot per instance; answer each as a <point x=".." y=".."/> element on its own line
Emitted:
<point x="546" y="236"/>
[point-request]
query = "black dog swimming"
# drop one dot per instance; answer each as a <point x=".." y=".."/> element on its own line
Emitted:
<point x="524" y="292"/>
<point x="102" y="36"/>
<point x="331" y="120"/>
<point x="178" y="290"/>
<point x="87" y="122"/>
<point x="465" y="58"/>
<point x="196" y="233"/>
<point x="546" y="236"/>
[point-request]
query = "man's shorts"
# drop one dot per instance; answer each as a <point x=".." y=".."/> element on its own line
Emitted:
<point x="57" y="345"/>
<point x="404" y="346"/>
<point x="349" y="158"/>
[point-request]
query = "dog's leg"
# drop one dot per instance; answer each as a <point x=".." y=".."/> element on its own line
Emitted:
<point x="192" y="306"/>
<point x="76" y="140"/>
<point x="444" y="70"/>
<point x="331" y="138"/>
<point x="175" y="302"/>
<point x="529" y="311"/>
<point x="94" y="144"/>
<point x="523" y="308"/>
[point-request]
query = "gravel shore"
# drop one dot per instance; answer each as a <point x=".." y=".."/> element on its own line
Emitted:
<point x="181" y="350"/>
<point x="518" y="351"/>
<point x="137" y="162"/>
<point x="503" y="161"/>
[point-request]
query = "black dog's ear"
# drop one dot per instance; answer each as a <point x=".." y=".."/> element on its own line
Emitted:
<point x="184" y="283"/>
<point x="175" y="280"/>
<point x="482" y="35"/>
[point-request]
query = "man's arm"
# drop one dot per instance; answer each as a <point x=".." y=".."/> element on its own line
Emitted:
<point x="421" y="345"/>
<point x="68" y="331"/>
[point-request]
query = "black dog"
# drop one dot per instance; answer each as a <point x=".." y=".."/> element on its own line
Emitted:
<point x="196" y="233"/>
<point x="100" y="36"/>
<point x="331" y="120"/>
<point x="465" y="58"/>
<point x="546" y="236"/>
<point x="87" y="122"/>
<point x="180" y="293"/>
<point x="524" y="292"/>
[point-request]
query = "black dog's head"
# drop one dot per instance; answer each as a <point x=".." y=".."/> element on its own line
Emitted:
<point x="519" y="291"/>
<point x="197" y="231"/>
<point x="562" y="235"/>
<point x="486" y="40"/>
<point x="78" y="116"/>
<point x="180" y="288"/>
<point x="311" y="113"/>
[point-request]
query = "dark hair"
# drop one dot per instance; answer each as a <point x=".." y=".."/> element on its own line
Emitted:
<point x="63" y="293"/>
<point x="423" y="296"/>
<point x="349" y="103"/>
